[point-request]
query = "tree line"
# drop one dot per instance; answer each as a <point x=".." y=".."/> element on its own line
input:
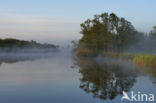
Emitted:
<point x="13" y="43"/>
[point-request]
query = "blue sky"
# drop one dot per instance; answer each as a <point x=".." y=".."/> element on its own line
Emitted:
<point x="58" y="20"/>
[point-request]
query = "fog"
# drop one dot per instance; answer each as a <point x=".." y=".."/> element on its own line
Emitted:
<point x="145" y="44"/>
<point x="13" y="55"/>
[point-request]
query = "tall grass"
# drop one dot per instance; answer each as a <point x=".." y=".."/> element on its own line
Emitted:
<point x="137" y="59"/>
<point x="145" y="60"/>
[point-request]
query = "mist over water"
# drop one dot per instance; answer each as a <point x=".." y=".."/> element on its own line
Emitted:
<point x="51" y="77"/>
<point x="57" y="75"/>
<point x="25" y="54"/>
<point x="77" y="51"/>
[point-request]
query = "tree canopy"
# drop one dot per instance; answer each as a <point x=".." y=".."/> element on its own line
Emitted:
<point x="107" y="32"/>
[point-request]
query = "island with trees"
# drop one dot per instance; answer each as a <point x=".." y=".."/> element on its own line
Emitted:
<point x="109" y="35"/>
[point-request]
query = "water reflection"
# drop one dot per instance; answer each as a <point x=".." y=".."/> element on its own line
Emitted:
<point x="18" y="57"/>
<point x="51" y="80"/>
<point x="148" y="71"/>
<point x="105" y="80"/>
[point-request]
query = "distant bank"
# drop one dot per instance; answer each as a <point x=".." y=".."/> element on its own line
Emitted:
<point x="15" y="45"/>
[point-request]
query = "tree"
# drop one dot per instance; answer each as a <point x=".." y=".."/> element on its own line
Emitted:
<point x="106" y="32"/>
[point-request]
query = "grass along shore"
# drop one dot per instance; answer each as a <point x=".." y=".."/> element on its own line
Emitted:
<point x="145" y="60"/>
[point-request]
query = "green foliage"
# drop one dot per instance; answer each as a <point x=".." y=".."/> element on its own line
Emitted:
<point x="107" y="32"/>
<point x="11" y="43"/>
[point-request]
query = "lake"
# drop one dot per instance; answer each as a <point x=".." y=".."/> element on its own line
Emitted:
<point x="60" y="78"/>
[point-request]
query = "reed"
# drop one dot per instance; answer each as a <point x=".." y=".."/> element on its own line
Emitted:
<point x="145" y="60"/>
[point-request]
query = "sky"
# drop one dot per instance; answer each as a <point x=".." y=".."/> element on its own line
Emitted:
<point x="58" y="21"/>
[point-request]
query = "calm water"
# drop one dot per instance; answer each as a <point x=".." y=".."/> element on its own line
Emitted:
<point x="59" y="78"/>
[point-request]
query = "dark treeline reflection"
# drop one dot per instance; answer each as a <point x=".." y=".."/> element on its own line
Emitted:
<point x="18" y="57"/>
<point x="105" y="80"/>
